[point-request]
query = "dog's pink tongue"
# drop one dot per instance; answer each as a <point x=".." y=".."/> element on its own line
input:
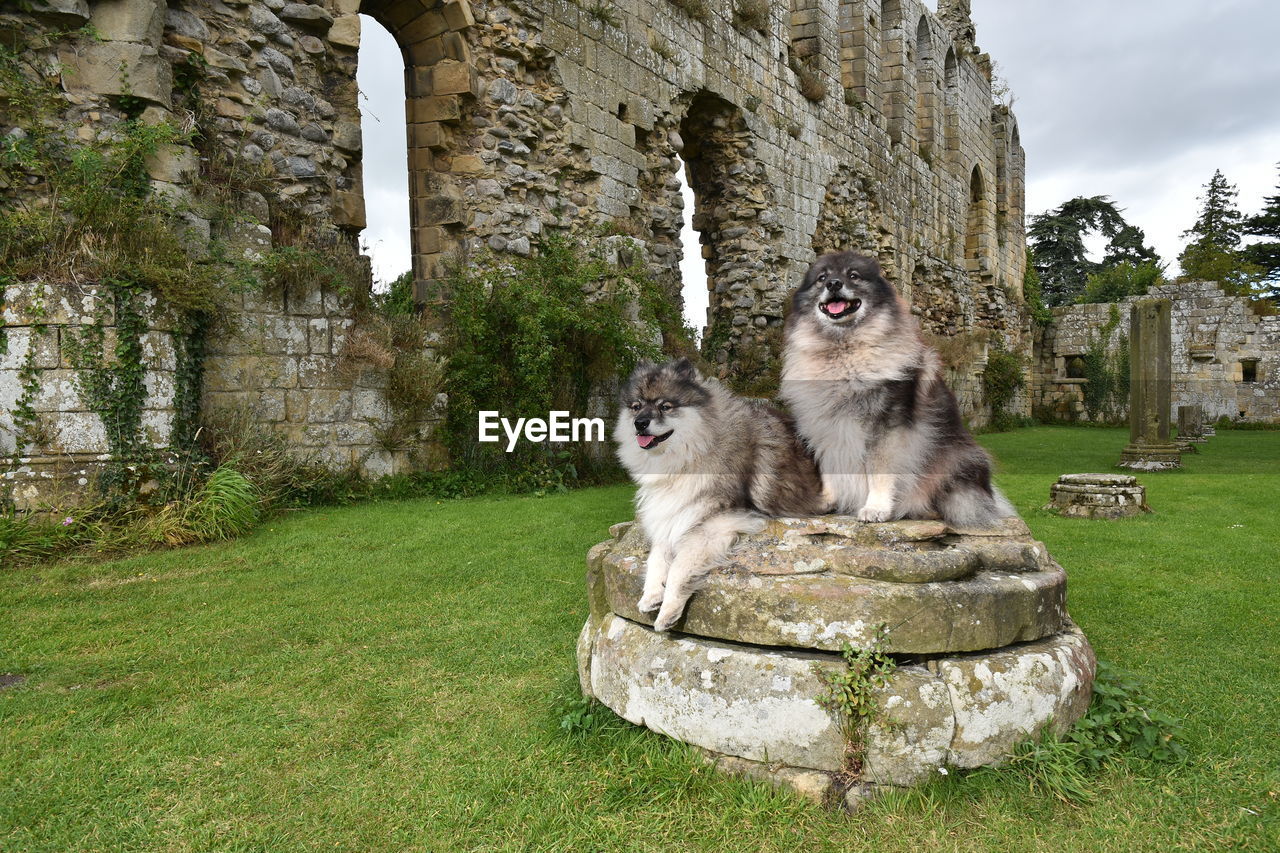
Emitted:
<point x="646" y="440"/>
<point x="837" y="307"/>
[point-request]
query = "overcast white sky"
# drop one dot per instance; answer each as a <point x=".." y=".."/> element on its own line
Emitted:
<point x="1140" y="101"/>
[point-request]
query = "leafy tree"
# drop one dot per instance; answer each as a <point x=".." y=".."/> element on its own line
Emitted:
<point x="1265" y="254"/>
<point x="1032" y="293"/>
<point x="1111" y="284"/>
<point x="1057" y="238"/>
<point x="1213" y="253"/>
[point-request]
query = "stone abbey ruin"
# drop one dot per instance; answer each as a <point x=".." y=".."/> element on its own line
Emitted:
<point x="826" y="124"/>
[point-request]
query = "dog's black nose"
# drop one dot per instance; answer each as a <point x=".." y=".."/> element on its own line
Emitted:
<point x="642" y="424"/>
<point x="834" y="284"/>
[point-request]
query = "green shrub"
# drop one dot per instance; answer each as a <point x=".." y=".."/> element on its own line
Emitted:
<point x="1004" y="374"/>
<point x="1106" y="393"/>
<point x="1032" y="294"/>
<point x="1126" y="278"/>
<point x="526" y="336"/>
<point x="751" y="15"/>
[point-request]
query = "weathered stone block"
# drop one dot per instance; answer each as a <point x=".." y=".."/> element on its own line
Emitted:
<point x="129" y="20"/>
<point x="118" y="68"/>
<point x="425" y="26"/>
<point x="760" y="704"/>
<point x="439" y="210"/>
<point x="345" y="32"/>
<point x="67" y="13"/>
<point x="307" y="17"/>
<point x="449" y="77"/>
<point x="433" y="108"/>
<point x="1106" y="496"/>
<point x="457" y="14"/>
<point x="176" y="164"/>
<point x="348" y="209"/>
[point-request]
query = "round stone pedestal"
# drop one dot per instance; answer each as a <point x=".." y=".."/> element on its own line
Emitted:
<point x="1105" y="496"/>
<point x="987" y="655"/>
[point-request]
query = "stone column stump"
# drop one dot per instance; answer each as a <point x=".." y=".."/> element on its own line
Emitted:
<point x="1107" y="496"/>
<point x="1150" y="447"/>
<point x="1191" y="425"/>
<point x="976" y="619"/>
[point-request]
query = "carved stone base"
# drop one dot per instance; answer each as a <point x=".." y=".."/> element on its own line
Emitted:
<point x="988" y="654"/>
<point x="1150" y="457"/>
<point x="1100" y="496"/>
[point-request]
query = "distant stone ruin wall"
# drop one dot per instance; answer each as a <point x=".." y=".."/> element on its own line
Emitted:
<point x="830" y="124"/>
<point x="1226" y="358"/>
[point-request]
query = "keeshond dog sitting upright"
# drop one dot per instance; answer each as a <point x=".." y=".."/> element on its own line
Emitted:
<point x="707" y="464"/>
<point x="869" y="399"/>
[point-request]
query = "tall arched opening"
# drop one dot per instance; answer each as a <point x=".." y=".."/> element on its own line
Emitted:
<point x="383" y="154"/>
<point x="977" y="233"/>
<point x="440" y="85"/>
<point x="738" y="234"/>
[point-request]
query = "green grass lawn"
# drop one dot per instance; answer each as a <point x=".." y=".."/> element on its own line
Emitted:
<point x="392" y="677"/>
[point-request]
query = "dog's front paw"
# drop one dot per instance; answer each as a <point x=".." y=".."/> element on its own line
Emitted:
<point x="667" y="617"/>
<point x="875" y="513"/>
<point x="650" y="602"/>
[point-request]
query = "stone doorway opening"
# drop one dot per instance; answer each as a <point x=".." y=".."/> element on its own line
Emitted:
<point x="385" y="158"/>
<point x="737" y="232"/>
<point x="440" y="85"/>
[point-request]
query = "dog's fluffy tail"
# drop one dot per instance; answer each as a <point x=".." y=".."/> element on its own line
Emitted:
<point x="973" y="507"/>
<point x="703" y="548"/>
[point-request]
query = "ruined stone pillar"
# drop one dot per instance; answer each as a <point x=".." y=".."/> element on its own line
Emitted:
<point x="1150" y="378"/>
<point x="1191" y="424"/>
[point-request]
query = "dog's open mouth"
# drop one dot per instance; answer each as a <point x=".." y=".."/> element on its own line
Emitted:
<point x="837" y="308"/>
<point x="647" y="441"/>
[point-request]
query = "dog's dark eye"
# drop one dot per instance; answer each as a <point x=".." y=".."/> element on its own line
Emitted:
<point x="635" y="407"/>
<point x="666" y="407"/>
<point x="822" y="276"/>
<point x="852" y="274"/>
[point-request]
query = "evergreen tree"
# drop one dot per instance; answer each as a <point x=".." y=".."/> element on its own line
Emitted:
<point x="1266" y="254"/>
<point x="1057" y="238"/>
<point x="1213" y="253"/>
<point x="1219" y="221"/>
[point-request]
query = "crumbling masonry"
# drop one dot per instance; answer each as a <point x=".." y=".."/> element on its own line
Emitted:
<point x="866" y="124"/>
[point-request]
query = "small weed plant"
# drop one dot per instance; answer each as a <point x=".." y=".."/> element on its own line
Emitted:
<point x="751" y="15"/>
<point x="851" y="695"/>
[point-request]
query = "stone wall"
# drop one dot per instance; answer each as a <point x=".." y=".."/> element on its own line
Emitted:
<point x="62" y="442"/>
<point x="1215" y="339"/>
<point x="836" y="124"/>
<point x="863" y="125"/>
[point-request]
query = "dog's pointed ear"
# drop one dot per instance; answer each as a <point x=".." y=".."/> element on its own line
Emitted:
<point x="642" y="366"/>
<point x="683" y="369"/>
<point x="810" y="275"/>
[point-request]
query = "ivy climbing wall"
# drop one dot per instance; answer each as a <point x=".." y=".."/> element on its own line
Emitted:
<point x="87" y="374"/>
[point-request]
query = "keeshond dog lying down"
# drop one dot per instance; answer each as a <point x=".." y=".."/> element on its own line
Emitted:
<point x="708" y="465"/>
<point x="869" y="400"/>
